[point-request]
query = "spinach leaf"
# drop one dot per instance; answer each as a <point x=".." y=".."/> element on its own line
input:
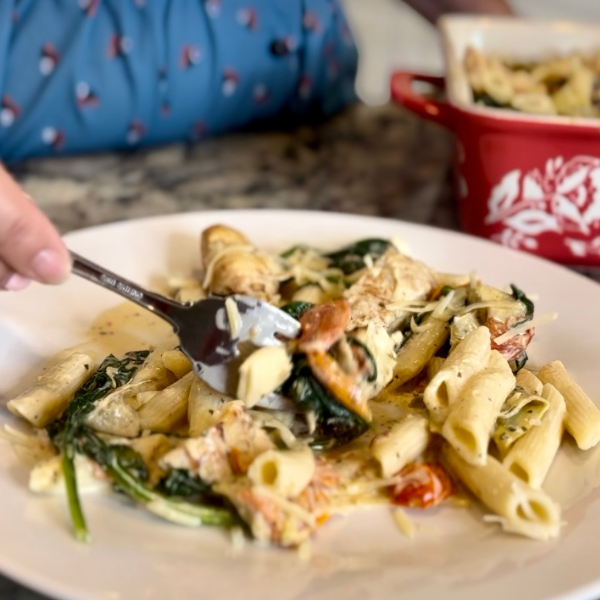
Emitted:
<point x="487" y="100"/>
<point x="336" y="425"/>
<point x="111" y="374"/>
<point x="521" y="297"/>
<point x="290" y="251"/>
<point x="121" y="462"/>
<point x="115" y="461"/>
<point x="370" y="359"/>
<point x="179" y="482"/>
<point x="352" y="258"/>
<point x="518" y="363"/>
<point x="296" y="309"/>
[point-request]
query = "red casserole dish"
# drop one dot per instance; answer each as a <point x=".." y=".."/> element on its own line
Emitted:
<point x="526" y="181"/>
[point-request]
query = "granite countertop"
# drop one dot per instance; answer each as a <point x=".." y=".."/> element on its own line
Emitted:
<point x="368" y="160"/>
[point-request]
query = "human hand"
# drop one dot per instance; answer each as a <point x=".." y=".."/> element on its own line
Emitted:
<point x="433" y="9"/>
<point x="30" y="247"/>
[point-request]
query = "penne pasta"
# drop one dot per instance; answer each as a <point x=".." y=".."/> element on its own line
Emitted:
<point x="531" y="456"/>
<point x="529" y="382"/>
<point x="168" y="409"/>
<point x="402" y="444"/>
<point x="518" y="415"/>
<point x="152" y="375"/>
<point x="286" y="472"/>
<point x="177" y="362"/>
<point x="519" y="507"/>
<point x="434" y="366"/>
<point x="203" y="407"/>
<point x="582" y="420"/>
<point x="419" y="349"/>
<point x="472" y="417"/>
<point x="428" y="339"/>
<point x="467" y="358"/>
<point x="53" y="391"/>
<point x="262" y="373"/>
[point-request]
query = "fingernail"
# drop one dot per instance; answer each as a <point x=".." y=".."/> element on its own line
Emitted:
<point x="16" y="283"/>
<point x="50" y="267"/>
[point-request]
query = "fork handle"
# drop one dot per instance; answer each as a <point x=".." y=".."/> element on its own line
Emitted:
<point x="162" y="307"/>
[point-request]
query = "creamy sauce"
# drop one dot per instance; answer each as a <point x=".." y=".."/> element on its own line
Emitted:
<point x="121" y="329"/>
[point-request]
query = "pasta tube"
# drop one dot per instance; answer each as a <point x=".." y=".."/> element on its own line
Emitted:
<point x="402" y="444"/>
<point x="53" y="391"/>
<point x="419" y="349"/>
<point x="203" y="408"/>
<point x="465" y="360"/>
<point x="434" y="366"/>
<point x="262" y="373"/>
<point x="177" y="362"/>
<point x="152" y="375"/>
<point x="520" y="508"/>
<point x="529" y="382"/>
<point x="471" y="419"/>
<point x="286" y="472"/>
<point x="583" y="416"/>
<point x="518" y="415"/>
<point x="531" y="456"/>
<point x="431" y="336"/>
<point x="165" y="411"/>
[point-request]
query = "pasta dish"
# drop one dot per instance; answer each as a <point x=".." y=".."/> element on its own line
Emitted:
<point x="567" y="86"/>
<point x="406" y="388"/>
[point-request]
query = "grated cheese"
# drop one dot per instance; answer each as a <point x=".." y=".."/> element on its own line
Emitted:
<point x="519" y="329"/>
<point x="400" y="244"/>
<point x="233" y="316"/>
<point x="405" y="523"/>
<point x="419" y="328"/>
<point x="416" y="306"/>
<point x="487" y="304"/>
<point x="443" y="305"/>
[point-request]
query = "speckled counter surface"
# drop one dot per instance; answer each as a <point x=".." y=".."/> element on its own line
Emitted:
<point x="373" y="161"/>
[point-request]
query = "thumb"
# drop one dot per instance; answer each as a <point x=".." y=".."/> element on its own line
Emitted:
<point x="30" y="246"/>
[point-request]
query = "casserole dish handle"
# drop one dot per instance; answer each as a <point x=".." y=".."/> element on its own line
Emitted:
<point x="424" y="106"/>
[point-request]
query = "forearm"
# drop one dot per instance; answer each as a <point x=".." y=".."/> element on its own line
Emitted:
<point x="433" y="9"/>
<point x="118" y="75"/>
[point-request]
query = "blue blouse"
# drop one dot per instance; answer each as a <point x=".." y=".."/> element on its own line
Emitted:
<point x="85" y="75"/>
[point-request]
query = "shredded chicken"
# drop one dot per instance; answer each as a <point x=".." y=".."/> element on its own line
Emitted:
<point x="393" y="278"/>
<point x="227" y="449"/>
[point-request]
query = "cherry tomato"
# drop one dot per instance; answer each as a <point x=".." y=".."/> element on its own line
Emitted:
<point x="423" y="485"/>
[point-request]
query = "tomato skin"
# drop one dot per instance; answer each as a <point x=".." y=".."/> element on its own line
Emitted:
<point x="423" y="485"/>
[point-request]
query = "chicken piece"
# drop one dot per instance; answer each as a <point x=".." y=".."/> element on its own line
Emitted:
<point x="233" y="265"/>
<point x="227" y="449"/>
<point x="287" y="522"/>
<point x="394" y="279"/>
<point x="269" y="517"/>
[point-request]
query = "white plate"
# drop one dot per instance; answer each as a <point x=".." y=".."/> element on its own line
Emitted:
<point x="133" y="555"/>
